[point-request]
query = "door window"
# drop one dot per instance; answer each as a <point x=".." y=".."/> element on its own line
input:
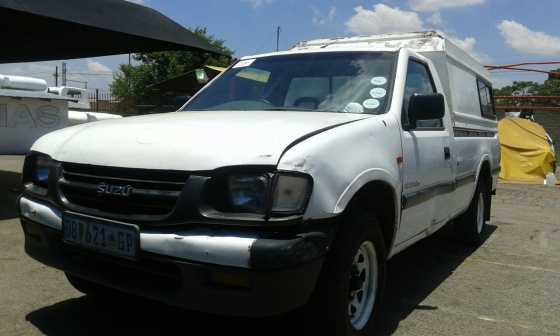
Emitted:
<point x="419" y="81"/>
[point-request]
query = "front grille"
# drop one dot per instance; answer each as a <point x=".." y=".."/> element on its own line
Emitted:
<point x="146" y="193"/>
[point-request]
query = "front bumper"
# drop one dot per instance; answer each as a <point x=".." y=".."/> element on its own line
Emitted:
<point x="211" y="270"/>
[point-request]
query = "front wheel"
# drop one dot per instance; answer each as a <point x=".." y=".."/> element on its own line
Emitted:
<point x="364" y="280"/>
<point x="347" y="298"/>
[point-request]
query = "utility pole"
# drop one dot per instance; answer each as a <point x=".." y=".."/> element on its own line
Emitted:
<point x="128" y="77"/>
<point x="56" y="76"/>
<point x="96" y="100"/>
<point x="278" y="30"/>
<point x="64" y="73"/>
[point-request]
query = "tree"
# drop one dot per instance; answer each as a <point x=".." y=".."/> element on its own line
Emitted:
<point x="550" y="87"/>
<point x="526" y="87"/>
<point x="133" y="84"/>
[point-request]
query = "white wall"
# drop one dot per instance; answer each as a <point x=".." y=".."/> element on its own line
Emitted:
<point x="24" y="121"/>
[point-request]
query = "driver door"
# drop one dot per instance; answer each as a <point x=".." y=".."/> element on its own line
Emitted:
<point x="427" y="172"/>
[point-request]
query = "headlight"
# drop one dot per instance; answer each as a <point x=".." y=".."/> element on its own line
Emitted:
<point x="291" y="193"/>
<point x="248" y="193"/>
<point x="42" y="171"/>
<point x="282" y="194"/>
<point x="36" y="172"/>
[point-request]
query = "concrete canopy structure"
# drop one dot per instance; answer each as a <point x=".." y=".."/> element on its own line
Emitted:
<point x="42" y="30"/>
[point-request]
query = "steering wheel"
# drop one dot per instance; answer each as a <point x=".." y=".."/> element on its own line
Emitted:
<point x="306" y="102"/>
<point x="264" y="100"/>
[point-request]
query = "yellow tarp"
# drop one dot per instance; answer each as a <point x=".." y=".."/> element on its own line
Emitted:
<point x="527" y="156"/>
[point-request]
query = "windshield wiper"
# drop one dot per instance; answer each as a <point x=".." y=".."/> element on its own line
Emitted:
<point x="298" y="109"/>
<point x="291" y="109"/>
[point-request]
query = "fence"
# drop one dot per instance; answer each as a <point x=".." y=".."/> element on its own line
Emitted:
<point x="103" y="101"/>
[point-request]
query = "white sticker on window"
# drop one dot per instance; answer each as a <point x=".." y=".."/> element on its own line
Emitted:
<point x="378" y="93"/>
<point x="243" y="64"/>
<point x="371" y="104"/>
<point x="379" y="81"/>
<point x="354" y="108"/>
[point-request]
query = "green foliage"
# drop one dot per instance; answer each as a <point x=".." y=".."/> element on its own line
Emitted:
<point x="522" y="86"/>
<point x="550" y="87"/>
<point x="132" y="85"/>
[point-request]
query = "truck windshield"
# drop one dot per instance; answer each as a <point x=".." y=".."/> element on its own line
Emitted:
<point x="346" y="82"/>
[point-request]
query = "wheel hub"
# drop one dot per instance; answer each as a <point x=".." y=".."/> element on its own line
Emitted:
<point x="362" y="285"/>
<point x="356" y="282"/>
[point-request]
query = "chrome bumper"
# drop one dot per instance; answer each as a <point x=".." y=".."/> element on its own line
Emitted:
<point x="205" y="246"/>
<point x="40" y="213"/>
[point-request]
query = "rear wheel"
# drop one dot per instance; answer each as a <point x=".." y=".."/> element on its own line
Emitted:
<point x="471" y="225"/>
<point x="347" y="298"/>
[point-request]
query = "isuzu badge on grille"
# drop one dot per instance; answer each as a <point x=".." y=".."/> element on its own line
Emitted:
<point x="108" y="189"/>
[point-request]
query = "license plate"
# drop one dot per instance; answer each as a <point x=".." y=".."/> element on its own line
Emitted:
<point x="110" y="238"/>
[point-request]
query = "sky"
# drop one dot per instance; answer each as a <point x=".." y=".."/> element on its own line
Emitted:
<point x="494" y="31"/>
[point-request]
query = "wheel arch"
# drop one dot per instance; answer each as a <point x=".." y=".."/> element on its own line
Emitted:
<point x="484" y="173"/>
<point x="381" y="198"/>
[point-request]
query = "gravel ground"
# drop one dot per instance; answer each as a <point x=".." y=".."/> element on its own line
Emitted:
<point x="509" y="286"/>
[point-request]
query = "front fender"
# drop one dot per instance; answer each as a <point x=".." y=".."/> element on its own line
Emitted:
<point x="368" y="176"/>
<point x="344" y="159"/>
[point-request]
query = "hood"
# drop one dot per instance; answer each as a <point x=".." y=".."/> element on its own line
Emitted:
<point x="192" y="141"/>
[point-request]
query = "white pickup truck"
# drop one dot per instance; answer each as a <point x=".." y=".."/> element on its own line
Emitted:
<point x="289" y="181"/>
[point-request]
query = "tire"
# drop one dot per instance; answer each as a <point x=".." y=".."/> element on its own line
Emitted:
<point x="471" y="226"/>
<point x="358" y="247"/>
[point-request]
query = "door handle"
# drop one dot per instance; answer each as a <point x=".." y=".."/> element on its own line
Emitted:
<point x="447" y="153"/>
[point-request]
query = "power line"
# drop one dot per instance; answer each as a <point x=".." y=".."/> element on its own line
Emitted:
<point x="93" y="73"/>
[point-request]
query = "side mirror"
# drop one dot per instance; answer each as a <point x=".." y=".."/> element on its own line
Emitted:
<point x="425" y="107"/>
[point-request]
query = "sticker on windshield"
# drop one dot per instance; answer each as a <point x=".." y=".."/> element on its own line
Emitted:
<point x="379" y="81"/>
<point x="243" y="64"/>
<point x="254" y="74"/>
<point x="354" y="108"/>
<point x="371" y="104"/>
<point x="378" y="93"/>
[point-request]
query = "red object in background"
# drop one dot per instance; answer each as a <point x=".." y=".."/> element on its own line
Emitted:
<point x="554" y="75"/>
<point x="516" y="67"/>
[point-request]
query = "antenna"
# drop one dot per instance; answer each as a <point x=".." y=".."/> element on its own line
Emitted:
<point x="278" y="30"/>
<point x="56" y="76"/>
